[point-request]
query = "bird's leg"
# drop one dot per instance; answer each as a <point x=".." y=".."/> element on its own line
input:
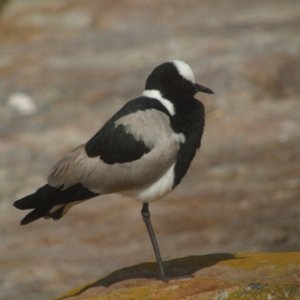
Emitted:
<point x="146" y="217"/>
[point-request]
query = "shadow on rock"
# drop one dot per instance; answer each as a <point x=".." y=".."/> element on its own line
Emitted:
<point x="175" y="268"/>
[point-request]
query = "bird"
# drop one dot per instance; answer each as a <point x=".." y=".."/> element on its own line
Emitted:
<point x="143" y="151"/>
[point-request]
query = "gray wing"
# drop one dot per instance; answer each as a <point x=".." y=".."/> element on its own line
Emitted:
<point x="153" y="128"/>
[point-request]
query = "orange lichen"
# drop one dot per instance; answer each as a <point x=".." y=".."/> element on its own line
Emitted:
<point x="225" y="276"/>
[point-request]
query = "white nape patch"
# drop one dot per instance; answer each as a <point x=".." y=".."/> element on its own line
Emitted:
<point x="159" y="188"/>
<point x="155" y="94"/>
<point x="184" y="70"/>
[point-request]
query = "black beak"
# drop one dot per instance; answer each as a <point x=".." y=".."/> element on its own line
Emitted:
<point x="203" y="89"/>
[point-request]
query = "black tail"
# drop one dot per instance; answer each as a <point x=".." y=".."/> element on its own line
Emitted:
<point x="47" y="197"/>
<point x="35" y="214"/>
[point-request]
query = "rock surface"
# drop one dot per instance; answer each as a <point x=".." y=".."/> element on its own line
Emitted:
<point x="79" y="61"/>
<point x="244" y="276"/>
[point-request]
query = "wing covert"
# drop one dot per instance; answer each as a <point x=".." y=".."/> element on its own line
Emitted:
<point x="113" y="144"/>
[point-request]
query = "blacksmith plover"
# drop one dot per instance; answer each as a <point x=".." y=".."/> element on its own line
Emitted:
<point x="144" y="151"/>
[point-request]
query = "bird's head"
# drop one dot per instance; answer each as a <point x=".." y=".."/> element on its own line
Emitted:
<point x="174" y="79"/>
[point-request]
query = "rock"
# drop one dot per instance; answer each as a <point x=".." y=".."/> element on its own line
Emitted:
<point x="80" y="61"/>
<point x="265" y="276"/>
<point x="22" y="103"/>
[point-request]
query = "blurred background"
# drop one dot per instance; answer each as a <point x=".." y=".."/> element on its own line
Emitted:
<point x="68" y="65"/>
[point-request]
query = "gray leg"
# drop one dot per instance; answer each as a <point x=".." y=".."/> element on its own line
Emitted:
<point x="146" y="218"/>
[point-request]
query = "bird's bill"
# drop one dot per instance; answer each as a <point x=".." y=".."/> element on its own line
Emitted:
<point x="203" y="89"/>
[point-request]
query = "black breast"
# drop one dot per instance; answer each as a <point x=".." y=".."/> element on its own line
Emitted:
<point x="190" y="121"/>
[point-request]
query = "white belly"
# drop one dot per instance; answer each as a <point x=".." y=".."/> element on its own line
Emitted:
<point x="156" y="190"/>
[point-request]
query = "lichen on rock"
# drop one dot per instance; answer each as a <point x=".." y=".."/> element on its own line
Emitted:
<point x="243" y="276"/>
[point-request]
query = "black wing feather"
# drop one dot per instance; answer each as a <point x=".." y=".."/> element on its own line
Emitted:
<point x="35" y="215"/>
<point x="114" y="144"/>
<point x="48" y="196"/>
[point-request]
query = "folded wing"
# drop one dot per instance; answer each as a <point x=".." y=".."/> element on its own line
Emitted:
<point x="108" y="163"/>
